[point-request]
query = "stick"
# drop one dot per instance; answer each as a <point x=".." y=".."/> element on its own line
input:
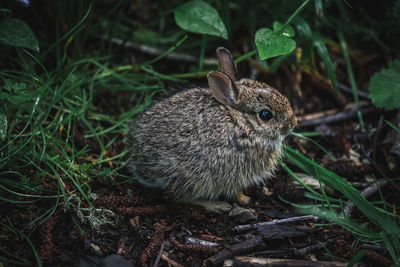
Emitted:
<point x="374" y="247"/>
<point x="235" y="249"/>
<point x="288" y="220"/>
<point x="367" y="192"/>
<point x="200" y="242"/>
<point x="340" y="116"/>
<point x="313" y="247"/>
<point x="156" y="240"/>
<point x="347" y="89"/>
<point x="151" y="51"/>
<point x="253" y="262"/>
<point x="159" y="254"/>
<point x="164" y="256"/>
<point x="198" y="248"/>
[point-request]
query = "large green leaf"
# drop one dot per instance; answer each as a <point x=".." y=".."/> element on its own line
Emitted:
<point x="199" y="17"/>
<point x="271" y="44"/>
<point x="384" y="87"/>
<point x="15" y="32"/>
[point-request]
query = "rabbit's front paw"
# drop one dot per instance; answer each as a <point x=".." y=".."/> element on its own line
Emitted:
<point x="243" y="199"/>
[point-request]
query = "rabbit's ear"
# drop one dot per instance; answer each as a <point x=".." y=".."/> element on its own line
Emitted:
<point x="226" y="63"/>
<point x="222" y="88"/>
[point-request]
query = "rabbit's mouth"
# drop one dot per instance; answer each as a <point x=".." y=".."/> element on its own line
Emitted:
<point x="274" y="143"/>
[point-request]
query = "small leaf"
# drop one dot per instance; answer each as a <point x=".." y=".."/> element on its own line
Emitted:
<point x="288" y="31"/>
<point x="20" y="97"/>
<point x="15" y="32"/>
<point x="19" y="87"/>
<point x="3" y="125"/>
<point x="271" y="44"/>
<point x="15" y="93"/>
<point x="8" y="85"/>
<point x="384" y="87"/>
<point x="199" y="17"/>
<point x="4" y="95"/>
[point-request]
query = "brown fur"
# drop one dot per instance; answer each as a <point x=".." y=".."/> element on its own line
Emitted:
<point x="197" y="148"/>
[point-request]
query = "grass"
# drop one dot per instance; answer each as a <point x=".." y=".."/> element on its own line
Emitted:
<point x="383" y="228"/>
<point x="61" y="105"/>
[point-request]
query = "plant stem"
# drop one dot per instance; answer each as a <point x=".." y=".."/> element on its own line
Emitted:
<point x="297" y="12"/>
<point x="202" y="51"/>
<point x="245" y="56"/>
<point x="351" y="76"/>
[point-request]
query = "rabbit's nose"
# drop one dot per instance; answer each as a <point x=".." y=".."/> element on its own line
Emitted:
<point x="293" y="121"/>
<point x="289" y="124"/>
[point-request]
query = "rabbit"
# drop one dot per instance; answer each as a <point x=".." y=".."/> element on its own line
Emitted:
<point x="202" y="145"/>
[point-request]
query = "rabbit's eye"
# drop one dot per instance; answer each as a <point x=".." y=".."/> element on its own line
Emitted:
<point x="265" y="115"/>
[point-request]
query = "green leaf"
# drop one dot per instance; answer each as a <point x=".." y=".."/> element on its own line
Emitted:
<point x="384" y="87"/>
<point x="15" y="32"/>
<point x="199" y="17"/>
<point x="288" y="31"/>
<point x="3" y="125"/>
<point x="20" y="97"/>
<point x="271" y="44"/>
<point x="4" y="95"/>
<point x="15" y="93"/>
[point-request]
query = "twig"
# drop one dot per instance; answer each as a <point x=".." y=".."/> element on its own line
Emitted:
<point x="200" y="242"/>
<point x="340" y="116"/>
<point x="275" y="252"/>
<point x="287" y="220"/>
<point x="251" y="261"/>
<point x="156" y="241"/>
<point x="367" y="192"/>
<point x="313" y="247"/>
<point x="347" y="89"/>
<point x="159" y="254"/>
<point x="236" y="249"/>
<point x="148" y="50"/>
<point x="378" y="131"/>
<point x="374" y="247"/>
<point x="322" y="114"/>
<point x="164" y="256"/>
<point x="143" y="210"/>
<point x="118" y="201"/>
<point x="197" y="248"/>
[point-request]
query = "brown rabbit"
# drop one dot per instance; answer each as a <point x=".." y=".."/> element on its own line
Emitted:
<point x="204" y="144"/>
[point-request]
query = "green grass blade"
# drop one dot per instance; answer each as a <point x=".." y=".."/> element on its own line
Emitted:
<point x="336" y="182"/>
<point x="397" y="129"/>
<point x="356" y="258"/>
<point x="315" y="143"/>
<point x="350" y="73"/>
<point x="324" y="55"/>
